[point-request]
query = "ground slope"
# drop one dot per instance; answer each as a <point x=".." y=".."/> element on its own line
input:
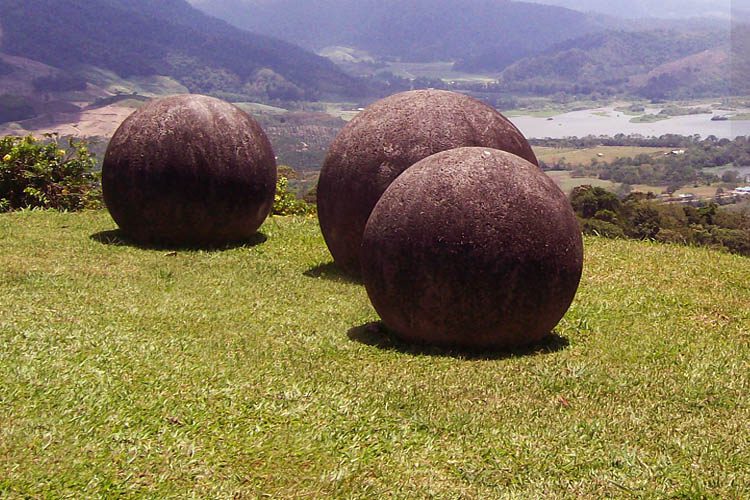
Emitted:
<point x="255" y="371"/>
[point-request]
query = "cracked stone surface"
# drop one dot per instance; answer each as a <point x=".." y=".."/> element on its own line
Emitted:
<point x="472" y="248"/>
<point x="189" y="170"/>
<point x="387" y="138"/>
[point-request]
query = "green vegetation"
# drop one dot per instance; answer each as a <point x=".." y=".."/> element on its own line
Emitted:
<point x="668" y="112"/>
<point x="690" y="162"/>
<point x="607" y="63"/>
<point x="633" y="109"/>
<point x="585" y="156"/>
<point x="649" y="118"/>
<point x="674" y="110"/>
<point x="286" y="202"/>
<point x="149" y="86"/>
<point x="640" y="216"/>
<point x="39" y="174"/>
<point x="252" y="372"/>
<point x="566" y="182"/>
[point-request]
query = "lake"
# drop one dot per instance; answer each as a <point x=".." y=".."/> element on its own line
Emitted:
<point x="607" y="121"/>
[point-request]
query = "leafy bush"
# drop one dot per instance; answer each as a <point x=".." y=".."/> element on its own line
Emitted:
<point x="640" y="216"/>
<point x="39" y="174"/>
<point x="602" y="228"/>
<point x="286" y="203"/>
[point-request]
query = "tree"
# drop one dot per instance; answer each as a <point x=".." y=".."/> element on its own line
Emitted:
<point x="588" y="200"/>
<point x="730" y="177"/>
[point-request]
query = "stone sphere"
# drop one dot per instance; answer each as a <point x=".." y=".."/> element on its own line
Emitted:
<point x="387" y="138"/>
<point x="189" y="170"/>
<point x="472" y="248"/>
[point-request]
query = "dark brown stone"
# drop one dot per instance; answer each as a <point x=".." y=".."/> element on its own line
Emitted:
<point x="472" y="248"/>
<point x="386" y="139"/>
<point x="189" y="170"/>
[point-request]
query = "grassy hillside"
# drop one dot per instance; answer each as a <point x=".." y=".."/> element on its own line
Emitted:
<point x="257" y="371"/>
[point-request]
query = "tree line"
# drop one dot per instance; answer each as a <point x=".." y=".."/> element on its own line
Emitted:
<point x="641" y="216"/>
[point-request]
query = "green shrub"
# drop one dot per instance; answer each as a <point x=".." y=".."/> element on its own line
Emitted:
<point x="735" y="240"/>
<point x="286" y="203"/>
<point x="602" y="228"/>
<point x="40" y="174"/>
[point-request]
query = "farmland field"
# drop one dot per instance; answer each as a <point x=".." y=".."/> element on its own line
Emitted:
<point x="586" y="155"/>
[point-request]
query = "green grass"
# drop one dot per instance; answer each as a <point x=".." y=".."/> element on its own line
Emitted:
<point x="436" y="70"/>
<point x="258" y="108"/>
<point x="151" y="86"/>
<point x="649" y="118"/>
<point x="141" y="372"/>
<point x="566" y="182"/>
<point x="584" y="156"/>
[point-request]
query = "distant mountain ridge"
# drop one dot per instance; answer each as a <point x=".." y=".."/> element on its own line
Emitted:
<point x="652" y="64"/>
<point x="418" y="30"/>
<point x="665" y="9"/>
<point x="169" y="37"/>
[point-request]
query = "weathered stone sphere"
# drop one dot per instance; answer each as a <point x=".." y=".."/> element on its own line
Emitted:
<point x="472" y="248"/>
<point x="189" y="170"/>
<point x="387" y="138"/>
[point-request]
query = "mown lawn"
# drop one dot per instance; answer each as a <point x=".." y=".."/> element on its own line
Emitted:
<point x="255" y="371"/>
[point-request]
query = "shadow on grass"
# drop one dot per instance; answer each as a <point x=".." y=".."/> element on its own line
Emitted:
<point x="376" y="334"/>
<point x="116" y="237"/>
<point x="330" y="271"/>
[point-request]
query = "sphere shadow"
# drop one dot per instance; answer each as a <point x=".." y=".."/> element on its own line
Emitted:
<point x="376" y="334"/>
<point x="115" y="237"/>
<point x="330" y="271"/>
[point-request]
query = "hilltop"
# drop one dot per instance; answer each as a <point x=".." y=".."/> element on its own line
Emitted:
<point x="258" y="371"/>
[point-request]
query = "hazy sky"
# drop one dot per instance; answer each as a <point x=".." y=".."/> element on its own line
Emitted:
<point x="674" y="9"/>
<point x="654" y="8"/>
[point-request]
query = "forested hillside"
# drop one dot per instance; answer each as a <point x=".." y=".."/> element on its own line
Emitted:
<point x="418" y="30"/>
<point x="140" y="37"/>
<point x="653" y="64"/>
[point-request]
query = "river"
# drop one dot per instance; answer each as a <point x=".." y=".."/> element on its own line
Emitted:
<point x="608" y="121"/>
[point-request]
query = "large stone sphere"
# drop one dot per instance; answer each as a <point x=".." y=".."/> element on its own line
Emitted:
<point x="189" y="170"/>
<point x="387" y="138"/>
<point x="472" y="248"/>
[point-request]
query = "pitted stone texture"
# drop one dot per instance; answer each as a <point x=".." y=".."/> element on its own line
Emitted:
<point x="386" y="139"/>
<point x="189" y="170"/>
<point x="472" y="248"/>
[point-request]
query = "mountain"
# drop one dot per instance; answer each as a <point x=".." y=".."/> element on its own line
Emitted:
<point x="140" y="37"/>
<point x="417" y="30"/>
<point x="653" y="64"/>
